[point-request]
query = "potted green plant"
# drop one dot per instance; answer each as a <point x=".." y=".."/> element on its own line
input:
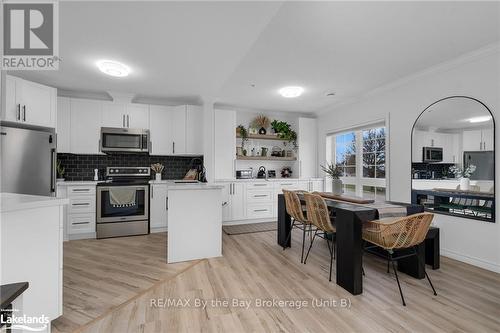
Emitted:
<point x="60" y="171"/>
<point x="463" y="175"/>
<point x="284" y="131"/>
<point x="243" y="133"/>
<point x="334" y="172"/>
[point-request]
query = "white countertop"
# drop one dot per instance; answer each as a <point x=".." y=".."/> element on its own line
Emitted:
<point x="172" y="185"/>
<point x="77" y="183"/>
<point x="13" y="201"/>
<point x="278" y="179"/>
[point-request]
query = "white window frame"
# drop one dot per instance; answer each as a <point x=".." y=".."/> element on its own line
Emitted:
<point x="359" y="181"/>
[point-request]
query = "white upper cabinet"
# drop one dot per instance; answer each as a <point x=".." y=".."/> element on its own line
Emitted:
<point x="137" y="116"/>
<point x="194" y="130"/>
<point x="85" y="126"/>
<point x="30" y="103"/>
<point x="487" y="136"/>
<point x="307" y="139"/>
<point x="478" y="140"/>
<point x="160" y="122"/>
<point x="63" y="128"/>
<point x="113" y="115"/>
<point x="125" y="115"/>
<point x="178" y="129"/>
<point x="225" y="144"/>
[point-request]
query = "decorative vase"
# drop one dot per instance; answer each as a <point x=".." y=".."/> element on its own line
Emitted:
<point x="464" y="184"/>
<point x="158" y="176"/>
<point x="337" y="186"/>
<point x="262" y="131"/>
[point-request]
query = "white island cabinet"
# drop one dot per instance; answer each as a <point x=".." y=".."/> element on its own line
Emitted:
<point x="32" y="251"/>
<point x="194" y="221"/>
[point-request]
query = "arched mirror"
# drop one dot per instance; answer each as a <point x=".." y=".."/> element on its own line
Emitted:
<point x="453" y="159"/>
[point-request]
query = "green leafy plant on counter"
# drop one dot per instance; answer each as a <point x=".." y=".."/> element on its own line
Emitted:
<point x="332" y="170"/>
<point x="285" y="132"/>
<point x="60" y="169"/>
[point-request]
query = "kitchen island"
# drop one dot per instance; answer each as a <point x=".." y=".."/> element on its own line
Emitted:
<point x="194" y="220"/>
<point x="31" y="250"/>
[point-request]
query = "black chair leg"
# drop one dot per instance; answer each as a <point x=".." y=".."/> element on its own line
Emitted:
<point x="397" y="280"/>
<point x="310" y="245"/>
<point x="303" y="241"/>
<point x="388" y="264"/>
<point x="331" y="249"/>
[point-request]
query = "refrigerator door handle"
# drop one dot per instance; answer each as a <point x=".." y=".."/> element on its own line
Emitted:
<point x="24" y="112"/>
<point x="53" y="171"/>
<point x="18" y="112"/>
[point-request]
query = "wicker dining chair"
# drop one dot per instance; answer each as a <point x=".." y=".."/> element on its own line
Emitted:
<point x="299" y="220"/>
<point x="397" y="234"/>
<point x="319" y="216"/>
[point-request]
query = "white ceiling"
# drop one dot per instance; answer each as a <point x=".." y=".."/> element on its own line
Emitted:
<point x="191" y="50"/>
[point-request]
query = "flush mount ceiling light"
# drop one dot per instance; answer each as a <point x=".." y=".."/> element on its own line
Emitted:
<point x="481" y="119"/>
<point x="292" y="91"/>
<point x="113" y="68"/>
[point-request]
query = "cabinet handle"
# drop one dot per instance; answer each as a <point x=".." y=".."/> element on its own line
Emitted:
<point x="260" y="195"/>
<point x="77" y="223"/>
<point x="173" y="147"/>
<point x="24" y="112"/>
<point x="81" y="190"/>
<point x="484" y="145"/>
<point x="18" y="112"/>
<point x="166" y="203"/>
<point x="224" y="203"/>
<point x="260" y="210"/>
<point x="128" y="121"/>
<point x="81" y="204"/>
<point x="234" y="189"/>
<point x="123" y="120"/>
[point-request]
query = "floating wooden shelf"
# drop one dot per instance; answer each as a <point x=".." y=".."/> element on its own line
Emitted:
<point x="262" y="137"/>
<point x="265" y="158"/>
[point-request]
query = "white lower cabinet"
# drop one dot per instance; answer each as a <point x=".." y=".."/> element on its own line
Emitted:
<point x="257" y="200"/>
<point x="158" y="219"/>
<point x="80" y="213"/>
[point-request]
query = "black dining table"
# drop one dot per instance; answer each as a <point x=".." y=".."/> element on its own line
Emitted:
<point x="349" y="219"/>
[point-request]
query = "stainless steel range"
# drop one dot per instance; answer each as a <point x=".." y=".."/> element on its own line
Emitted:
<point x="123" y="202"/>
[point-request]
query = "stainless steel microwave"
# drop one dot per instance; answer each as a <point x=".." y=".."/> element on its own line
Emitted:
<point x="432" y="154"/>
<point x="124" y="140"/>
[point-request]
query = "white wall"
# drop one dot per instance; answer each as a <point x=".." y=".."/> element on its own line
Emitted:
<point x="476" y="75"/>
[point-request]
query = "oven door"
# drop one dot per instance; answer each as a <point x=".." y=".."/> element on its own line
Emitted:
<point x="109" y="212"/>
<point x="115" y="140"/>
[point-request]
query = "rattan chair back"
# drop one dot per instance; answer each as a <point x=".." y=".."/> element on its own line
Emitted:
<point x="317" y="212"/>
<point x="293" y="205"/>
<point x="399" y="233"/>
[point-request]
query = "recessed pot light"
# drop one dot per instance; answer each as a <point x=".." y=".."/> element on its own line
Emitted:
<point x="113" y="68"/>
<point x="292" y="91"/>
<point x="481" y="119"/>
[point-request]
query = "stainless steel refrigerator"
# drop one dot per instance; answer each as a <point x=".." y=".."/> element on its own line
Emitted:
<point x="28" y="160"/>
<point x="484" y="162"/>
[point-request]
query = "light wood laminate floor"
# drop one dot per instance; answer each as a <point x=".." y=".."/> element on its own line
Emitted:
<point x="254" y="267"/>
<point x="101" y="274"/>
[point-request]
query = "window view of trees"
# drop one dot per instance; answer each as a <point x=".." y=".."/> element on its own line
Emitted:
<point x="361" y="156"/>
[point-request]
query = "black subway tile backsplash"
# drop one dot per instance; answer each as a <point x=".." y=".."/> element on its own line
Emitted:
<point x="81" y="167"/>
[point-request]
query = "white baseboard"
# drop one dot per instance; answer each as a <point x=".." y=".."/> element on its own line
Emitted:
<point x="155" y="230"/>
<point x="249" y="221"/>
<point x="87" y="235"/>
<point x="488" y="265"/>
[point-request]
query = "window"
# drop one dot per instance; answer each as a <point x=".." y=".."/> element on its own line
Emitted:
<point x="345" y="153"/>
<point x="361" y="155"/>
